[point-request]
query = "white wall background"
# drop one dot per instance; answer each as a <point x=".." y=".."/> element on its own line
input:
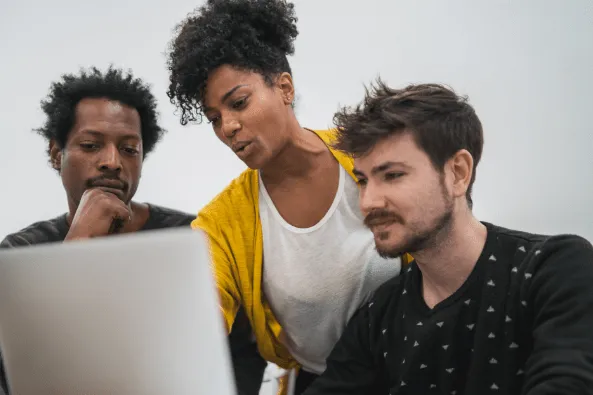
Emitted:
<point x="527" y="66"/>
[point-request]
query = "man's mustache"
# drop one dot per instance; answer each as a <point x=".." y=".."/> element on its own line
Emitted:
<point x="97" y="181"/>
<point x="380" y="217"/>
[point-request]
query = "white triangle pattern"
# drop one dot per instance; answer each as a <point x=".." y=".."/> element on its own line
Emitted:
<point x="491" y="335"/>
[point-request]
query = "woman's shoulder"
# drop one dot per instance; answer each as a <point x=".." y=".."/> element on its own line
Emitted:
<point x="238" y="197"/>
<point x="327" y="135"/>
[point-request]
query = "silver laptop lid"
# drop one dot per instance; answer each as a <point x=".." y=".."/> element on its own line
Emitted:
<point x="134" y="314"/>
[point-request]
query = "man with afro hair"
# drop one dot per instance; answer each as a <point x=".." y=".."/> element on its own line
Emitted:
<point x="295" y="208"/>
<point x="99" y="127"/>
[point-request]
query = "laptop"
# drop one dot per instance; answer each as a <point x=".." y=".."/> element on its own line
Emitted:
<point x="135" y="314"/>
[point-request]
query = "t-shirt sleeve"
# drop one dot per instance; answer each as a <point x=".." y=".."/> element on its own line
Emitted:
<point x="13" y="241"/>
<point x="561" y="294"/>
<point x="351" y="368"/>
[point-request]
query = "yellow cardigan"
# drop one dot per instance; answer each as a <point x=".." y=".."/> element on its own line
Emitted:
<point x="232" y="223"/>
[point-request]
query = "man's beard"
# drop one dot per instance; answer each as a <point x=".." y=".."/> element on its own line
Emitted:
<point x="116" y="226"/>
<point x="418" y="241"/>
<point x="421" y="238"/>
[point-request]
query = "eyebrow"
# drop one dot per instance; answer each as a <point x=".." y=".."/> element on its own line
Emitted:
<point x="380" y="168"/>
<point x="99" y="134"/>
<point x="226" y="95"/>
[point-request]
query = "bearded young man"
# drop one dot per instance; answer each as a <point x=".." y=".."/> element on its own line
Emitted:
<point x="482" y="309"/>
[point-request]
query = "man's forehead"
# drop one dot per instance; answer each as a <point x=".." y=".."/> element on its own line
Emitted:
<point x="397" y="148"/>
<point x="103" y="116"/>
<point x="106" y="109"/>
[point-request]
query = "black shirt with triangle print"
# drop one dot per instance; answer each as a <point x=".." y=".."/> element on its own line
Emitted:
<point x="522" y="323"/>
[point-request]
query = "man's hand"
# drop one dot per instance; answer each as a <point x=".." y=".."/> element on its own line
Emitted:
<point x="99" y="214"/>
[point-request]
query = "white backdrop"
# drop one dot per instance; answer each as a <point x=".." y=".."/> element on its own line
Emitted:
<point x="526" y="65"/>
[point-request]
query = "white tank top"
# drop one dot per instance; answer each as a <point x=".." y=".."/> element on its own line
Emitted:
<point x="316" y="278"/>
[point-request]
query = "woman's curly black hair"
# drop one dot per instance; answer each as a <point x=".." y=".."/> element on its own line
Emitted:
<point x="253" y="35"/>
<point x="113" y="84"/>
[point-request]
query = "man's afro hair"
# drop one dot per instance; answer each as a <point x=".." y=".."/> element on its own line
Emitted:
<point x="113" y="84"/>
<point x="252" y="35"/>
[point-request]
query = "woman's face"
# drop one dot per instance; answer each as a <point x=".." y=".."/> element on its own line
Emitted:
<point x="248" y="115"/>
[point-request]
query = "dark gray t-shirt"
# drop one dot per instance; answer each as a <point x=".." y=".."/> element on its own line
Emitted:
<point x="56" y="229"/>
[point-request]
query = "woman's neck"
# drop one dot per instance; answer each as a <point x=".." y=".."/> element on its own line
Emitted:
<point x="297" y="158"/>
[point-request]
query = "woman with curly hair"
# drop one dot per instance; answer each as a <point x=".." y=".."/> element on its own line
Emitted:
<point x="287" y="238"/>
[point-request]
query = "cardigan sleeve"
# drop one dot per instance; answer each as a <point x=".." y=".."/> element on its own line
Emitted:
<point x="221" y="266"/>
